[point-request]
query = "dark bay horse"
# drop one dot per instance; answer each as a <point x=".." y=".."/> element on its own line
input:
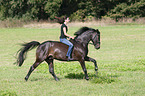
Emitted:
<point x="50" y="50"/>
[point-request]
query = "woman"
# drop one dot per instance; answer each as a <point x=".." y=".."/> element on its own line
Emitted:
<point x="64" y="35"/>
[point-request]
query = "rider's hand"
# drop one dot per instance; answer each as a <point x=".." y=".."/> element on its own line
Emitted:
<point x="71" y="37"/>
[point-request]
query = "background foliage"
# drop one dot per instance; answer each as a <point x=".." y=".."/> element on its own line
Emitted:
<point x="76" y="9"/>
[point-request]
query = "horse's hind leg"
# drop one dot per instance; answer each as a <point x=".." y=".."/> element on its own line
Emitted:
<point x="32" y="69"/>
<point x="51" y="68"/>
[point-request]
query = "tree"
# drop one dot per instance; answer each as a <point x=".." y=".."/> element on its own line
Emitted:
<point x="128" y="10"/>
<point x="76" y="9"/>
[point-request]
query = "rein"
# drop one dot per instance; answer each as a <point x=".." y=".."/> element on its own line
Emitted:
<point x="94" y="37"/>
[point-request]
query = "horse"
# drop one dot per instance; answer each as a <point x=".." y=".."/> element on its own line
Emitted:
<point x="50" y="50"/>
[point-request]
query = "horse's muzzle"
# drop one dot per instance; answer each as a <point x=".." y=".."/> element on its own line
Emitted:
<point x="97" y="46"/>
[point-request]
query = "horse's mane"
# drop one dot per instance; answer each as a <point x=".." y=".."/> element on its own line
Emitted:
<point x="82" y="30"/>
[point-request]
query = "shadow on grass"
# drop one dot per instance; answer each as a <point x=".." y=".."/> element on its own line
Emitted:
<point x="79" y="75"/>
<point x="42" y="78"/>
<point x="98" y="78"/>
<point x="102" y="78"/>
<point x="75" y="76"/>
<point x="36" y="79"/>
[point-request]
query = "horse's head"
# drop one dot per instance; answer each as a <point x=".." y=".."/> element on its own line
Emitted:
<point x="96" y="38"/>
<point x="85" y="35"/>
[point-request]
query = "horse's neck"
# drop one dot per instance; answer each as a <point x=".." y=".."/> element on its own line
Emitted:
<point x="84" y="40"/>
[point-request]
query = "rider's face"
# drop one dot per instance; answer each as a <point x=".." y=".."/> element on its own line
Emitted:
<point x="67" y="20"/>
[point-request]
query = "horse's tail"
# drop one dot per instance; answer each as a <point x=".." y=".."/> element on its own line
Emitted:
<point x="23" y="51"/>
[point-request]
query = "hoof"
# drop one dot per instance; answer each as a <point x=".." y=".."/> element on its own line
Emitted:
<point x="96" y="69"/>
<point x="56" y="79"/>
<point x="87" y="78"/>
<point x="26" y="79"/>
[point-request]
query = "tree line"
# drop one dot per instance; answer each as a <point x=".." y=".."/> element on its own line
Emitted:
<point x="76" y="9"/>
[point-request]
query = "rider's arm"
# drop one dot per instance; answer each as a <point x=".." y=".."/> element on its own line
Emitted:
<point x="64" y="30"/>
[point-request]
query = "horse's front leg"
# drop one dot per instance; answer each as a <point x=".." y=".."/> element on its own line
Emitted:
<point x="82" y="62"/>
<point x="92" y="60"/>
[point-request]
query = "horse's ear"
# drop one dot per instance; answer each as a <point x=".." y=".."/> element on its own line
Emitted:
<point x="98" y="31"/>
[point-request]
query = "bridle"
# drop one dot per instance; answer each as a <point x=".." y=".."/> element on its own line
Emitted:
<point x="94" y="39"/>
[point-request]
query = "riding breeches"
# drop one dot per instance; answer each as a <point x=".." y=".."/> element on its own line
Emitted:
<point x="67" y="42"/>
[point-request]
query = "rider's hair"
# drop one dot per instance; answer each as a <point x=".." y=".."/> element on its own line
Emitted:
<point x="61" y="20"/>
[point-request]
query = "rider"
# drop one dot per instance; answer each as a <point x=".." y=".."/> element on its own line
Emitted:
<point x="63" y="37"/>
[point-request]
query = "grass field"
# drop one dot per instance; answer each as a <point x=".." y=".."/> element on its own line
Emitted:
<point x="121" y="62"/>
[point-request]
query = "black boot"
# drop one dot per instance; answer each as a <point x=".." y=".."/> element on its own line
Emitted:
<point x="69" y="59"/>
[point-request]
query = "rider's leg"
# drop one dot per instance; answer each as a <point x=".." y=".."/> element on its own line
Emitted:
<point x="67" y="42"/>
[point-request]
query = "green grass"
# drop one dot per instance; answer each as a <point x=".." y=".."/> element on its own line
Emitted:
<point x="121" y="62"/>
